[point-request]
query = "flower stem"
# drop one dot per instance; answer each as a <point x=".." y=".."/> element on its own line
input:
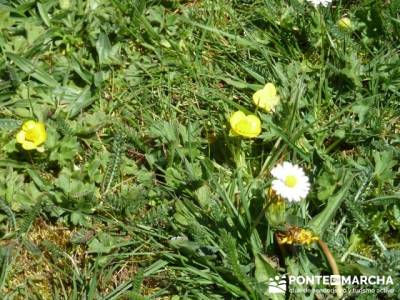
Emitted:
<point x="333" y="265"/>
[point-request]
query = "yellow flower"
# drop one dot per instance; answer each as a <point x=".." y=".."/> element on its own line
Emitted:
<point x="32" y="135"/>
<point x="296" y="235"/>
<point x="247" y="126"/>
<point x="266" y="98"/>
<point x="344" y="23"/>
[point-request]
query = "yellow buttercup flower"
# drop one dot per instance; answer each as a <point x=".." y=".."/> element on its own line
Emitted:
<point x="296" y="235"/>
<point x="266" y="98"/>
<point x="32" y="135"/>
<point x="247" y="126"/>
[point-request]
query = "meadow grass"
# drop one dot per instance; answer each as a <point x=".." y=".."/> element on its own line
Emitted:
<point x="142" y="193"/>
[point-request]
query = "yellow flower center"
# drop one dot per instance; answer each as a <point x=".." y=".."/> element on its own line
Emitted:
<point x="32" y="135"/>
<point x="290" y="181"/>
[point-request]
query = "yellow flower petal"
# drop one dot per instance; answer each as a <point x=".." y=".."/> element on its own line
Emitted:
<point x="40" y="149"/>
<point x="20" y="137"/>
<point x="39" y="133"/>
<point x="28" y="125"/>
<point x="266" y="98"/>
<point x="236" y="117"/>
<point x="296" y="235"/>
<point x="269" y="90"/>
<point x="28" y="145"/>
<point x="255" y="124"/>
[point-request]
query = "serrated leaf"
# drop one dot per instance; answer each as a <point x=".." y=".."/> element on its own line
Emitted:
<point x="9" y="124"/>
<point x="95" y="246"/>
<point x="326" y="185"/>
<point x="384" y="164"/>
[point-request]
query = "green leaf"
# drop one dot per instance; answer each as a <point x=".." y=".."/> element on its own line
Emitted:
<point x="361" y="109"/>
<point x="203" y="195"/>
<point x="103" y="243"/>
<point x="173" y="177"/>
<point x="95" y="246"/>
<point x="321" y="221"/>
<point x="13" y="164"/>
<point x="64" y="150"/>
<point x="33" y="31"/>
<point x="326" y="185"/>
<point x="155" y="267"/>
<point x="9" y="124"/>
<point x="107" y="54"/>
<point x="384" y="164"/>
<point x="65" y="4"/>
<point x="83" y="101"/>
<point x="37" y="180"/>
<point x="43" y="11"/>
<point x="29" y="68"/>
<point x="241" y="84"/>
<point x="264" y="271"/>
<point x="5" y="20"/>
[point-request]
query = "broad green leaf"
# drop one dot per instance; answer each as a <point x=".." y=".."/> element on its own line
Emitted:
<point x="5" y="20"/>
<point x="33" y="31"/>
<point x="95" y="246"/>
<point x="43" y="14"/>
<point x="203" y="195"/>
<point x="321" y="221"/>
<point x="264" y="271"/>
<point x="83" y="101"/>
<point x="107" y="53"/>
<point x="327" y="183"/>
<point x="103" y="47"/>
<point x="13" y="164"/>
<point x="41" y="183"/>
<point x="265" y="275"/>
<point x="384" y="164"/>
<point x="239" y="40"/>
<point x="29" y="68"/>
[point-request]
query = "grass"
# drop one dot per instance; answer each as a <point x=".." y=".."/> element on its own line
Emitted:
<point x="142" y="194"/>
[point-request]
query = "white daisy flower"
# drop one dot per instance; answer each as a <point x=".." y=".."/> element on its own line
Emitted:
<point x="291" y="183"/>
<point x="318" y="2"/>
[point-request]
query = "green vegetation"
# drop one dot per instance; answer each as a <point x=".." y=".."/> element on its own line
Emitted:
<point x="142" y="193"/>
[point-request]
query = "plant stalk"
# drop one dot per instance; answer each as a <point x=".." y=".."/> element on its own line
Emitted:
<point x="333" y="265"/>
